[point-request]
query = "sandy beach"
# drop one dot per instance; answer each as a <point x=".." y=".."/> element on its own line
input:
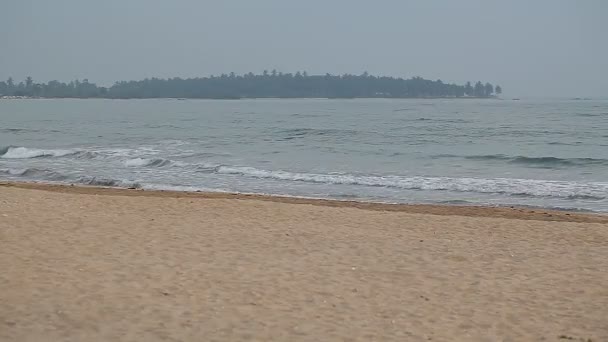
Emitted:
<point x="93" y="264"/>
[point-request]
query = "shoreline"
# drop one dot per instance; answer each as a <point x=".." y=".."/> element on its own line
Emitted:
<point x="507" y="212"/>
<point x="87" y="263"/>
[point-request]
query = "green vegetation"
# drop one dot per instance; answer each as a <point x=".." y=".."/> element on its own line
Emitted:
<point x="267" y="85"/>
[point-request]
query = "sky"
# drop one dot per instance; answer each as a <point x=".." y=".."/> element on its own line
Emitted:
<point x="538" y="48"/>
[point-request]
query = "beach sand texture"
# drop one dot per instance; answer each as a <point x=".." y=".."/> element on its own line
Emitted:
<point x="89" y="264"/>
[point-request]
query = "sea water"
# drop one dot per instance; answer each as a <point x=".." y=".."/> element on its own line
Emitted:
<point x="543" y="153"/>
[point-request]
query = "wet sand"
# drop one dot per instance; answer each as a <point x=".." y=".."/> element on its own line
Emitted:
<point x="94" y="264"/>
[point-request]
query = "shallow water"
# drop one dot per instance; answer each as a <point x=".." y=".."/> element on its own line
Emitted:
<point x="547" y="153"/>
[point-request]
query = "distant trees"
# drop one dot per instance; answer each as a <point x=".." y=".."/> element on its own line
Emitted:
<point x="468" y="89"/>
<point x="488" y="89"/>
<point x="479" y="89"/>
<point x="29" y="82"/>
<point x="265" y="85"/>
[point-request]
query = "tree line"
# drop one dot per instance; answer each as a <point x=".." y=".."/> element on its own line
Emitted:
<point x="266" y="85"/>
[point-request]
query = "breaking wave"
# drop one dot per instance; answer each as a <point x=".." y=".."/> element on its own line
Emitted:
<point x="201" y="163"/>
<point x="34" y="173"/>
<point x="13" y="152"/>
<point x="100" y="181"/>
<point x="506" y="186"/>
<point x="513" y="187"/>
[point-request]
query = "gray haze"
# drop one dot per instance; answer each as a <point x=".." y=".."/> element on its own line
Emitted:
<point x="531" y="48"/>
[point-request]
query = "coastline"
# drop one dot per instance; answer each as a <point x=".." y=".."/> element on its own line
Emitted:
<point x="508" y="212"/>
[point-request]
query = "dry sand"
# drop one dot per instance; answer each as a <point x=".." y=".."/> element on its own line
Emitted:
<point x="91" y="264"/>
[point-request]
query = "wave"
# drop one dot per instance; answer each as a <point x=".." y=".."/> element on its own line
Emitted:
<point x="204" y="155"/>
<point x="50" y="175"/>
<point x="584" y="191"/>
<point x="19" y="152"/>
<point x="565" y="143"/>
<point x="505" y="186"/>
<point x="533" y="161"/>
<point x="100" y="181"/>
<point x="590" y="114"/>
<point x="298" y="133"/>
<point x="85" y="154"/>
<point x="588" y="191"/>
<point x="137" y="155"/>
<point x="550" y="161"/>
<point x="13" y="152"/>
<point x="27" y="130"/>
<point x="18" y="130"/>
<point x="34" y="173"/>
<point x="143" y="162"/>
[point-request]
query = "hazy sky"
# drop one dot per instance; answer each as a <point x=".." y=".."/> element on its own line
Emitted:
<point x="530" y="47"/>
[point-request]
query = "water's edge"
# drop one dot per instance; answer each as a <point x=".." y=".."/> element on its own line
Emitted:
<point x="522" y="212"/>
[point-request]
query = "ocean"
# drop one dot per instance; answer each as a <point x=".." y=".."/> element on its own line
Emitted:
<point x="539" y="153"/>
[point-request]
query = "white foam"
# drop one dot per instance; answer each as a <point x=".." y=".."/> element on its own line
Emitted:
<point x="14" y="172"/>
<point x="25" y="153"/>
<point x="137" y="162"/>
<point x="508" y="186"/>
<point x="181" y="188"/>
